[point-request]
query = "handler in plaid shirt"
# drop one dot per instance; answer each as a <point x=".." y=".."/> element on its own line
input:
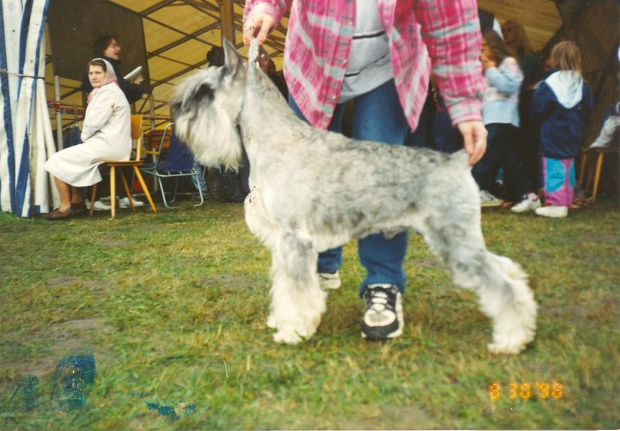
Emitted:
<point x="378" y="53"/>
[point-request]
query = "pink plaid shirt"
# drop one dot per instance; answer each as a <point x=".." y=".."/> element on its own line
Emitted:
<point x="445" y="33"/>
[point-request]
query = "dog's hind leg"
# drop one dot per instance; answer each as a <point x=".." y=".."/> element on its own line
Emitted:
<point x="500" y="284"/>
<point x="297" y="299"/>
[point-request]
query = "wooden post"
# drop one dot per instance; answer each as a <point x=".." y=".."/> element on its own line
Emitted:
<point x="569" y="11"/>
<point x="227" y="19"/>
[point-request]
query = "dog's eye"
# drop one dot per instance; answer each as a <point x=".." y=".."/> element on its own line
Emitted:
<point x="203" y="91"/>
<point x="175" y="108"/>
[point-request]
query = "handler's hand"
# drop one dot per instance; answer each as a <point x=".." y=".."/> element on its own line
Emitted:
<point x="475" y="139"/>
<point x="258" y="25"/>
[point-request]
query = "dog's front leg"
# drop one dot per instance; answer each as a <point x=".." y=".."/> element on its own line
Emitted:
<point x="297" y="299"/>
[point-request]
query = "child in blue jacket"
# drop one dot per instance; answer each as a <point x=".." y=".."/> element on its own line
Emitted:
<point x="562" y="103"/>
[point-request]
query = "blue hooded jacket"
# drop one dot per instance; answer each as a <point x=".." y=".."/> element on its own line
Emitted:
<point x="562" y="103"/>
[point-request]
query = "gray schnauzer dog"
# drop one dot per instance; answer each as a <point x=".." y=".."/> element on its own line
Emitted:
<point x="312" y="190"/>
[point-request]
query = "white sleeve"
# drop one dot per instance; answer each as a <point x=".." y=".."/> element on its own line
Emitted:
<point x="98" y="112"/>
<point x="607" y="132"/>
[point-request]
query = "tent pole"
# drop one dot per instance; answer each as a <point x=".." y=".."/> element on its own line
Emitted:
<point x="58" y="114"/>
<point x="227" y="19"/>
<point x="152" y="110"/>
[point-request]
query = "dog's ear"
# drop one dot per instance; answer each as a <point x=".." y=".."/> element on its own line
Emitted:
<point x="232" y="60"/>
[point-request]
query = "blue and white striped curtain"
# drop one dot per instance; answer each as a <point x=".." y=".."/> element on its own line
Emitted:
<point x="25" y="131"/>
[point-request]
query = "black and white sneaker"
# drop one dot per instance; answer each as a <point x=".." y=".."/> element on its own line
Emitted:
<point x="384" y="312"/>
<point x="526" y="204"/>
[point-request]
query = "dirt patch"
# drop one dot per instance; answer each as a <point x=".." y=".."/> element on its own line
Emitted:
<point x="58" y="339"/>
<point x="62" y="281"/>
<point x="228" y="281"/>
<point x="98" y="284"/>
<point x="431" y="262"/>
<point x="393" y="417"/>
<point x="114" y="244"/>
<point x="607" y="239"/>
<point x="601" y="310"/>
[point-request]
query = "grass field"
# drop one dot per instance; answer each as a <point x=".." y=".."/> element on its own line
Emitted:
<point x="174" y="304"/>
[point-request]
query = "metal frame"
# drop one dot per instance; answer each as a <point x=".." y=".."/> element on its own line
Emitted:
<point x="159" y="174"/>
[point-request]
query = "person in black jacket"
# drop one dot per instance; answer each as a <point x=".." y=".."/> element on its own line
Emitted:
<point x="108" y="48"/>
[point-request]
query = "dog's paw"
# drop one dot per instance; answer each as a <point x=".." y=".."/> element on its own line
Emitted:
<point x="272" y="322"/>
<point x="499" y="348"/>
<point x="511" y="343"/>
<point x="287" y="336"/>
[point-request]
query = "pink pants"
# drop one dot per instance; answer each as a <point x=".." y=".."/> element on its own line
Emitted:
<point x="559" y="181"/>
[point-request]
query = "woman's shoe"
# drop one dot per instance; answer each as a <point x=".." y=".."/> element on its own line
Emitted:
<point x="60" y="215"/>
<point x="78" y="208"/>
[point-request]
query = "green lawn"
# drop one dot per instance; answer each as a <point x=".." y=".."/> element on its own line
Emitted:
<point x="174" y="305"/>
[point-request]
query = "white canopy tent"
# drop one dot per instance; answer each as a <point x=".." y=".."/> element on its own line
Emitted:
<point x="25" y="131"/>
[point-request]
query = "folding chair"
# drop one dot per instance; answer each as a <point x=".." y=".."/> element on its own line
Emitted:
<point x="176" y="162"/>
<point x="607" y="142"/>
<point x="599" y="153"/>
<point x="136" y="134"/>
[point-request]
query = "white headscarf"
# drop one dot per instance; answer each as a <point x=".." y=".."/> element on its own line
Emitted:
<point x="110" y="77"/>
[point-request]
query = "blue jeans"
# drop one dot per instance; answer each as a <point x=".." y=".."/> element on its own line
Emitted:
<point x="200" y="183"/>
<point x="377" y="116"/>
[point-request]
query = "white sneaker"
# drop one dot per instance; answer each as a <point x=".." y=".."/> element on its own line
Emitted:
<point x="553" y="211"/>
<point x="526" y="204"/>
<point x="488" y="200"/>
<point x="329" y="281"/>
<point x="124" y="203"/>
<point x="99" y="206"/>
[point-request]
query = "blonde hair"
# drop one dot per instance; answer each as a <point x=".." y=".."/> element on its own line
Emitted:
<point x="566" y="56"/>
<point x="521" y="43"/>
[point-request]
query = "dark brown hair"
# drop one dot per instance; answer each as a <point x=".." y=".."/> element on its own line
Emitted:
<point x="215" y="57"/>
<point x="496" y="44"/>
<point x="98" y="62"/>
<point x="102" y="43"/>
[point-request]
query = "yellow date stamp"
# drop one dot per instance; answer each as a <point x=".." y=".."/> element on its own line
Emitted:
<point x="526" y="390"/>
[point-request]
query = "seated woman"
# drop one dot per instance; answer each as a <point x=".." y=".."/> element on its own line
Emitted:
<point x="106" y="134"/>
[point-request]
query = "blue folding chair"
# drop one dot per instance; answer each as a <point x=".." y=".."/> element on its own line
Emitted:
<point x="171" y="158"/>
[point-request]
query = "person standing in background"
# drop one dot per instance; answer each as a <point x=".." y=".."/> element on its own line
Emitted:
<point x="519" y="47"/>
<point x="562" y="103"/>
<point x="108" y="48"/>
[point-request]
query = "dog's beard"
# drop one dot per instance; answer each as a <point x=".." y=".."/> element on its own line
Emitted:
<point x="211" y="136"/>
<point x="204" y="124"/>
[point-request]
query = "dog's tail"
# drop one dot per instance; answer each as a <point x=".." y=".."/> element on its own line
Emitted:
<point x="253" y="51"/>
<point x="253" y="54"/>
